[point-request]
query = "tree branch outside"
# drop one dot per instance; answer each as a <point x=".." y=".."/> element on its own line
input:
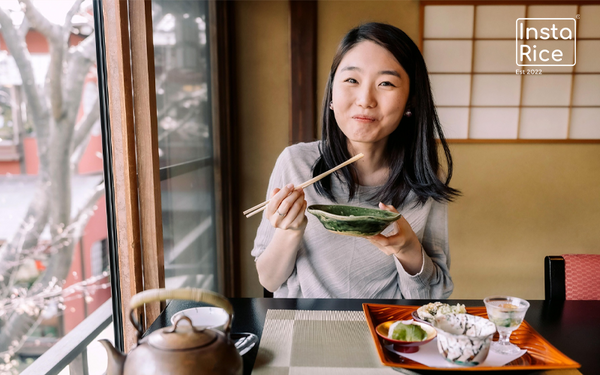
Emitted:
<point x="58" y="135"/>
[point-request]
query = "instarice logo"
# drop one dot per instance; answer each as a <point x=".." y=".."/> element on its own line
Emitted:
<point x="546" y="41"/>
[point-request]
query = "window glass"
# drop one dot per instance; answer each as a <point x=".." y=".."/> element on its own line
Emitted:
<point x="182" y="66"/>
<point x="54" y="269"/>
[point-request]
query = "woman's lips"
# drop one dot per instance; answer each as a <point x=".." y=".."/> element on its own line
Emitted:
<point x="361" y="118"/>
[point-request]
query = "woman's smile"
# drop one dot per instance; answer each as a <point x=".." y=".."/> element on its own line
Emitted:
<point x="364" y="119"/>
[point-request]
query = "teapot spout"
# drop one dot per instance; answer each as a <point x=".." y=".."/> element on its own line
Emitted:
<point x="116" y="359"/>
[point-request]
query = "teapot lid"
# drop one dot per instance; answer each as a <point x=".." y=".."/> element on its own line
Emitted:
<point x="182" y="338"/>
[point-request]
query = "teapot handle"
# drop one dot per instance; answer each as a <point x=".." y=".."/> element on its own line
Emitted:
<point x="188" y="294"/>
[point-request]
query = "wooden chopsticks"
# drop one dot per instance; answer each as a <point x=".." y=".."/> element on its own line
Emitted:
<point x="260" y="207"/>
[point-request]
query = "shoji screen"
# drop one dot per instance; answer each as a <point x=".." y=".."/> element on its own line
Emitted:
<point x="470" y="51"/>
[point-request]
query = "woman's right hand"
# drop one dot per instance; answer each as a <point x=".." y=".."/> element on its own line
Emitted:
<point x="285" y="212"/>
<point x="286" y="208"/>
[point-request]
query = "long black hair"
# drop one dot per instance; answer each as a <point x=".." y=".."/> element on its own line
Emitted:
<point x="411" y="150"/>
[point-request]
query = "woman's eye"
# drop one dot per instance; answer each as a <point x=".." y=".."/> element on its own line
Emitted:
<point x="351" y="80"/>
<point x="387" y="83"/>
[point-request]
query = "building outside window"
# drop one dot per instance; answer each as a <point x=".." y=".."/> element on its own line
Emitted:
<point x="52" y="206"/>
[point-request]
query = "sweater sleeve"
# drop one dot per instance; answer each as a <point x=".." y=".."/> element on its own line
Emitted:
<point x="433" y="281"/>
<point x="265" y="231"/>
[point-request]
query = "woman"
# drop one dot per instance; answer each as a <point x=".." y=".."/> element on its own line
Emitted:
<point x="377" y="101"/>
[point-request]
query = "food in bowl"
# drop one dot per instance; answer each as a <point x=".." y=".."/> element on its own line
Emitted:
<point x="431" y="310"/>
<point x="506" y="315"/>
<point x="353" y="220"/>
<point x="406" y="332"/>
<point x="464" y="339"/>
<point x="383" y="331"/>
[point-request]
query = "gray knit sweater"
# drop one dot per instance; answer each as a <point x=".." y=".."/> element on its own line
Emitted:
<point x="330" y="265"/>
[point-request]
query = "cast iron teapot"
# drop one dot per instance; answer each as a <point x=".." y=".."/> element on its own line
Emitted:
<point x="181" y="349"/>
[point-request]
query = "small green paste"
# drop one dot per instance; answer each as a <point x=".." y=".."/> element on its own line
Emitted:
<point x="407" y="332"/>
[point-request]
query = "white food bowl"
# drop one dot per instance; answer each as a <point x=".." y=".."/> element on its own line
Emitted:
<point x="464" y="339"/>
<point x="205" y="317"/>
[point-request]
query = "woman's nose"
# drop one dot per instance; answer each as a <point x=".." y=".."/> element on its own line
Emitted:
<point x="366" y="98"/>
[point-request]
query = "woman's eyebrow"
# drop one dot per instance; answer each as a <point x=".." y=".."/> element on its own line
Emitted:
<point x="382" y="72"/>
<point x="390" y="72"/>
<point x="350" y="68"/>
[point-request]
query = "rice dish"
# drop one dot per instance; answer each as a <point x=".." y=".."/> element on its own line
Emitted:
<point x="431" y="310"/>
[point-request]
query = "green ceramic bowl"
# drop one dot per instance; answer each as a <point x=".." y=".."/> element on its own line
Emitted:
<point x="352" y="220"/>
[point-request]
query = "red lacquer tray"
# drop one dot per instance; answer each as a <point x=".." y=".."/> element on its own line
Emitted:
<point x="541" y="355"/>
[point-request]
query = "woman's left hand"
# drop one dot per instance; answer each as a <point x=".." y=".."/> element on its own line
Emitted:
<point x="403" y="243"/>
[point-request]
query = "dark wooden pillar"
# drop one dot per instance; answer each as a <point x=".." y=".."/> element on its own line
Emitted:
<point x="225" y="143"/>
<point x="303" y="53"/>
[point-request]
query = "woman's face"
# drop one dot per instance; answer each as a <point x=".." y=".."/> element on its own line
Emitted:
<point x="370" y="90"/>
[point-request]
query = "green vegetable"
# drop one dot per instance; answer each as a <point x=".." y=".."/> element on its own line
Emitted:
<point x="408" y="332"/>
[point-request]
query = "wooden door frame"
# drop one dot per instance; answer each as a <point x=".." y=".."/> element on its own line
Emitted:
<point x="128" y="276"/>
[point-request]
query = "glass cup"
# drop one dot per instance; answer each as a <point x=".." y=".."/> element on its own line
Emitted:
<point x="507" y="313"/>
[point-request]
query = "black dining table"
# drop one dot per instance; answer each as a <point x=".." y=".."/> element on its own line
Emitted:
<point x="573" y="327"/>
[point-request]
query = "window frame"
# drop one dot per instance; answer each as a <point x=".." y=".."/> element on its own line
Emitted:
<point x="125" y="34"/>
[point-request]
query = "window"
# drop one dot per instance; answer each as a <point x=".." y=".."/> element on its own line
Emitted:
<point x="187" y="144"/>
<point x="52" y="205"/>
<point x="185" y="141"/>
<point x="169" y="143"/>
<point x="470" y="51"/>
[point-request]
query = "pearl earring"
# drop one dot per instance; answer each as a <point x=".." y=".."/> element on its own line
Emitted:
<point x="331" y="105"/>
<point x="408" y="113"/>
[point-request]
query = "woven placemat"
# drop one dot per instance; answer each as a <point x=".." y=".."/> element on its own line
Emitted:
<point x="317" y="342"/>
